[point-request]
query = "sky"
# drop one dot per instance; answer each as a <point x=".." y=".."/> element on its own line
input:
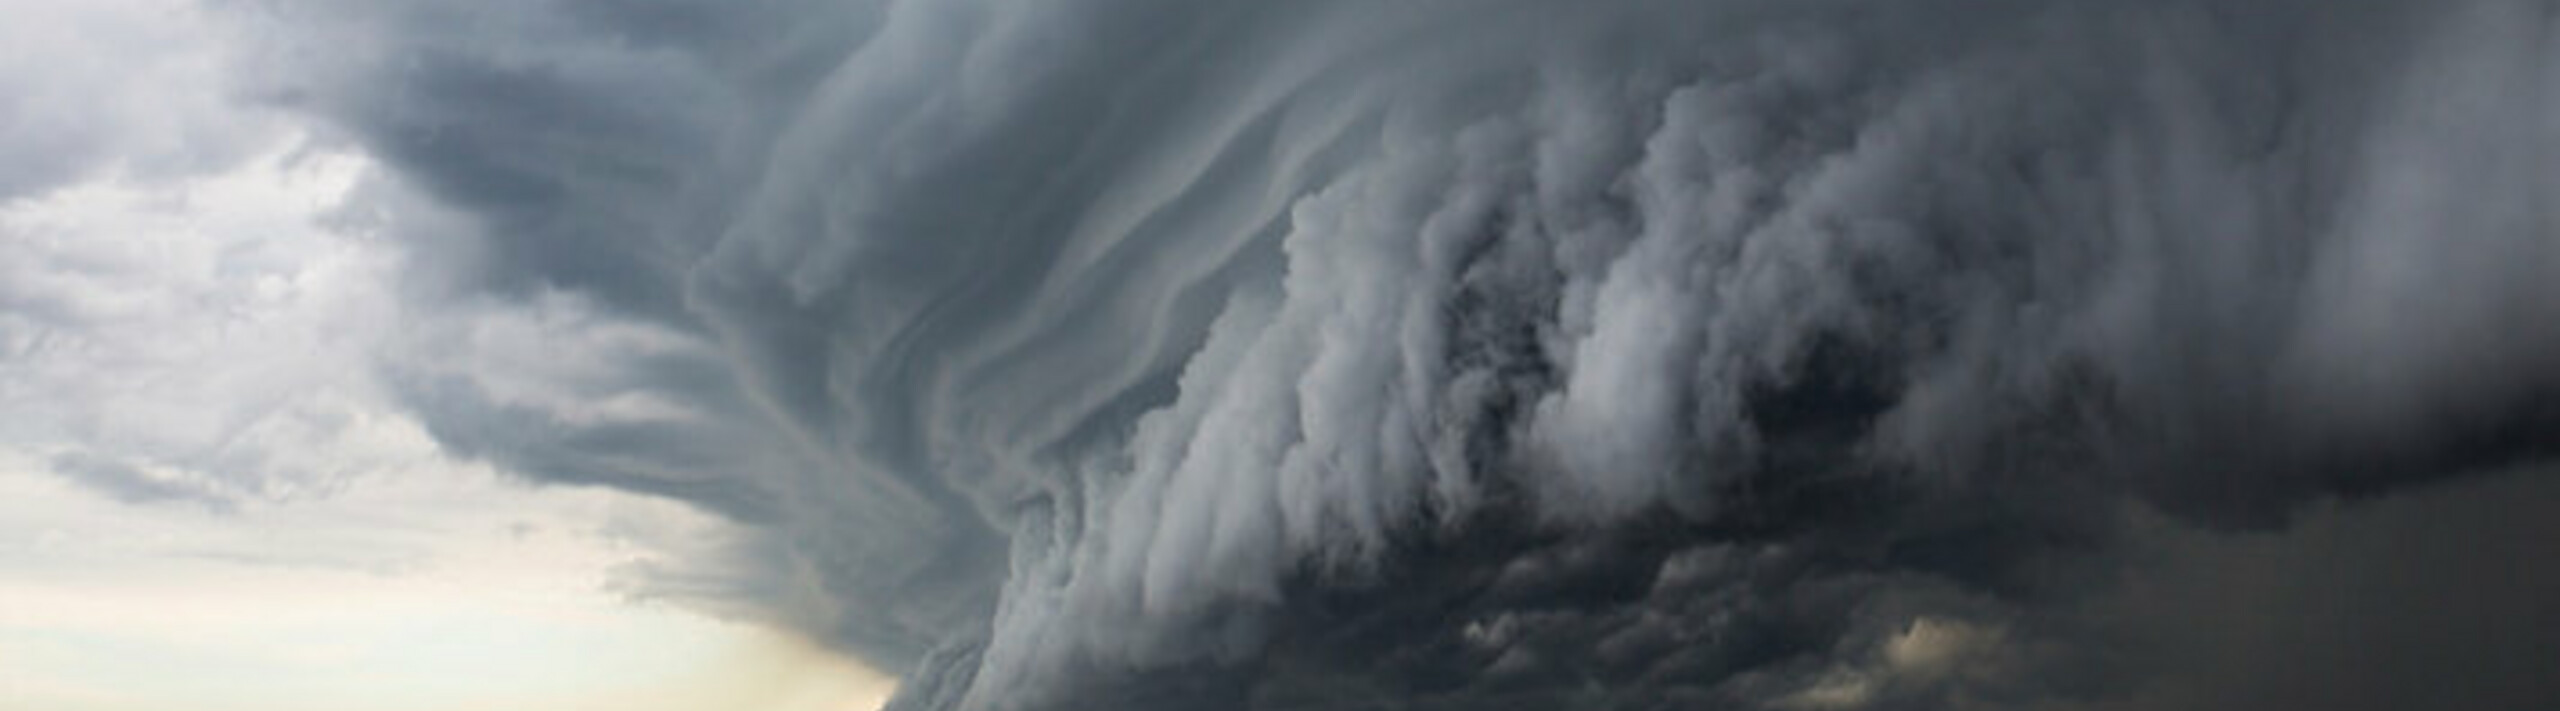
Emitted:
<point x="210" y="500"/>
<point x="977" y="355"/>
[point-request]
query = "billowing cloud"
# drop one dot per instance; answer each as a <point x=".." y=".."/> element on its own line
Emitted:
<point x="1144" y="354"/>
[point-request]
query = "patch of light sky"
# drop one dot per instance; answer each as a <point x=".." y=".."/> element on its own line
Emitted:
<point x="206" y="499"/>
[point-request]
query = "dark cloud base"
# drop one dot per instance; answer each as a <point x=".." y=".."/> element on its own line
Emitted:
<point x="1627" y="355"/>
<point x="2431" y="596"/>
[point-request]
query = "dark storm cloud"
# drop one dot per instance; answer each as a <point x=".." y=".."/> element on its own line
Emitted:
<point x="2433" y="599"/>
<point x="1485" y="354"/>
<point x="597" y="137"/>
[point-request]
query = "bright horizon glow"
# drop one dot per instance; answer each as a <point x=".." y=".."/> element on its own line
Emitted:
<point x="107" y="611"/>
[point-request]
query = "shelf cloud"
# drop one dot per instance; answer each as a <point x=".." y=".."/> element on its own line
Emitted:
<point x="1442" y="354"/>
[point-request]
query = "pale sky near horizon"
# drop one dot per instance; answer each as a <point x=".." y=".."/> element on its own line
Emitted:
<point x="187" y="314"/>
<point x="468" y="594"/>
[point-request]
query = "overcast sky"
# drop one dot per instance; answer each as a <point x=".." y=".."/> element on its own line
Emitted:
<point x="208" y="497"/>
<point x="972" y="355"/>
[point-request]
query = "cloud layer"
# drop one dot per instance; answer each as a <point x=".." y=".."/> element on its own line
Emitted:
<point x="1468" y="354"/>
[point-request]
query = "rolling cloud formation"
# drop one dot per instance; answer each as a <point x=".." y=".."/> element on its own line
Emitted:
<point x="1626" y="354"/>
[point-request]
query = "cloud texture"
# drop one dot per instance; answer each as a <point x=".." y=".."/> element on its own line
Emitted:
<point x="1490" y="354"/>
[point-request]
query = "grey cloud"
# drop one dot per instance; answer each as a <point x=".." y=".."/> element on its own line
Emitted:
<point x="568" y="392"/>
<point x="600" y="139"/>
<point x="2433" y="599"/>
<point x="1488" y="354"/>
<point x="124" y="482"/>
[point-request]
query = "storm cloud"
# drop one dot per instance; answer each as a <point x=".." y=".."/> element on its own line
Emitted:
<point x="1492" y="354"/>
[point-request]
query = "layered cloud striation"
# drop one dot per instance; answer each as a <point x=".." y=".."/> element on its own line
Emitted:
<point x="1438" y="354"/>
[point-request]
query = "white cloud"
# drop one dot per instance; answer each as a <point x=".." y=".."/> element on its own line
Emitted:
<point x="210" y="326"/>
<point x="133" y="88"/>
<point x="203" y="472"/>
<point x="214" y="340"/>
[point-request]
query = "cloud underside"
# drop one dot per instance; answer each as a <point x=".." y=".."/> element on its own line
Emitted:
<point x="1828" y="354"/>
